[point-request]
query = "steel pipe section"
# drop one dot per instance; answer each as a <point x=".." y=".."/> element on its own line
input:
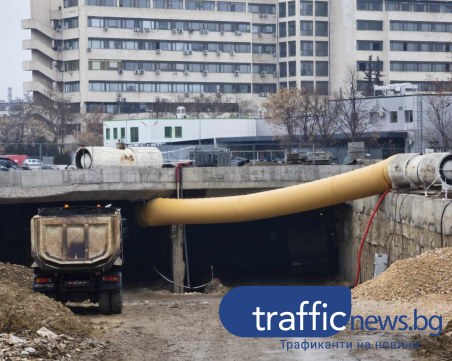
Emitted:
<point x="99" y="157"/>
<point x="421" y="171"/>
<point x="399" y="171"/>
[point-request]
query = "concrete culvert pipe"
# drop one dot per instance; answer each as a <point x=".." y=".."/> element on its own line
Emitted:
<point x="98" y="157"/>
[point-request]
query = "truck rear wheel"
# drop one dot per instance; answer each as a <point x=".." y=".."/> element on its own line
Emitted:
<point x="104" y="303"/>
<point x="116" y="302"/>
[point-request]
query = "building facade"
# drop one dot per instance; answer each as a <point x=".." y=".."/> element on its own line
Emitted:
<point x="123" y="56"/>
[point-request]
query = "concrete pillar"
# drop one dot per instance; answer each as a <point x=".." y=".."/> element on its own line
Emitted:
<point x="177" y="241"/>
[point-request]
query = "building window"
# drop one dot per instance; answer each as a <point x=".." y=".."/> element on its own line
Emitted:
<point x="321" y="87"/>
<point x="307" y="68"/>
<point x="107" y="134"/>
<point x="257" y="8"/>
<point x="420" y="66"/>
<point x="115" y="133"/>
<point x="168" y="132"/>
<point x="369" y="45"/>
<point x="408" y="116"/>
<point x="306" y="8"/>
<point x="283" y="70"/>
<point x="321" y="8"/>
<point x="372" y="25"/>
<point x="292" y="68"/>
<point x="306" y="28"/>
<point x="168" y="4"/>
<point x="369" y="5"/>
<point x="231" y="6"/>
<point x="283" y="49"/>
<point x="70" y="3"/>
<point x="291" y="8"/>
<point x="178" y="132"/>
<point x="101" y="2"/>
<point x="282" y="30"/>
<point x="70" y="23"/>
<point x="135" y="3"/>
<point x="321" y="28"/>
<point x="292" y="29"/>
<point x="421" y="26"/>
<point x="321" y="68"/>
<point x="419" y="46"/>
<point x="292" y="48"/>
<point x="72" y="87"/>
<point x="134" y="135"/>
<point x="393" y="117"/>
<point x="282" y="10"/>
<point x="321" y="48"/>
<point x="123" y="134"/>
<point x="307" y="48"/>
<point x="363" y="65"/>
<point x="308" y="86"/>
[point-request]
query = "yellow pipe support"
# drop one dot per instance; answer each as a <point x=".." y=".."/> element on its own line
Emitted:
<point x="360" y="183"/>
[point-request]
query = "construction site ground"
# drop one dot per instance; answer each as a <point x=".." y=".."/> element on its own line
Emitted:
<point x="157" y="325"/>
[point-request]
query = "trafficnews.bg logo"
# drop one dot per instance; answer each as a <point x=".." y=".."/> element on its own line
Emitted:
<point x="307" y="311"/>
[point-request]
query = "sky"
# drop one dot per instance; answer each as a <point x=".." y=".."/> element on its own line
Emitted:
<point x="11" y="54"/>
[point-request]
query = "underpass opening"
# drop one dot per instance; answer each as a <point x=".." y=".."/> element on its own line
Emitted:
<point x="295" y="249"/>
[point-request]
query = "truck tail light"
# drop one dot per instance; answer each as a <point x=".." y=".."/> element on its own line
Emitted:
<point x="111" y="278"/>
<point x="43" y="280"/>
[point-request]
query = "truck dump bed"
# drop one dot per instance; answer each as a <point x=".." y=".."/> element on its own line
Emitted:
<point x="76" y="239"/>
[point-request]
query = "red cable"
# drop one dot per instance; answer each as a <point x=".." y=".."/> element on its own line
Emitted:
<point x="361" y="244"/>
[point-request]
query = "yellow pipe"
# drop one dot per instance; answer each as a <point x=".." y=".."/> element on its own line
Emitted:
<point x="356" y="184"/>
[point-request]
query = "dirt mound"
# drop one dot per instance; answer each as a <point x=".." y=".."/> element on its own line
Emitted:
<point x="22" y="309"/>
<point x="215" y="287"/>
<point x="436" y="348"/>
<point x="409" y="279"/>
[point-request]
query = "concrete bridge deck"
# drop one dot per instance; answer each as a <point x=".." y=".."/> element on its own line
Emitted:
<point x="143" y="183"/>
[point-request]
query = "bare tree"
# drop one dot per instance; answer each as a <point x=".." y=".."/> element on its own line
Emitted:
<point x="22" y="129"/>
<point x="246" y="106"/>
<point x="91" y="128"/>
<point x="438" y="131"/>
<point x="324" y="117"/>
<point x="56" y="111"/>
<point x="283" y="111"/>
<point x="354" y="115"/>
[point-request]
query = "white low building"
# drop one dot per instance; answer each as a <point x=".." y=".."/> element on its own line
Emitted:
<point x="166" y="131"/>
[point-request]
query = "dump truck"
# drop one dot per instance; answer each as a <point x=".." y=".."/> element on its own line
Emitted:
<point x="78" y="255"/>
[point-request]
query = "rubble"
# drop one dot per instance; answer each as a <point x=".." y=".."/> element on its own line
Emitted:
<point x="35" y="346"/>
<point x="35" y="327"/>
<point x="408" y="279"/>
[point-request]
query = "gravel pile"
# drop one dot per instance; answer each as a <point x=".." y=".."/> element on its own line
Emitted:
<point x="409" y="279"/>
<point x="43" y="345"/>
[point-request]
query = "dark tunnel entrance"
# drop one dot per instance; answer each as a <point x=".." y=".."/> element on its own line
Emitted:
<point x="290" y="249"/>
<point x="285" y="250"/>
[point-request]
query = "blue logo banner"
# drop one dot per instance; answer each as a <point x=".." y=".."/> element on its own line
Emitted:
<point x="280" y="311"/>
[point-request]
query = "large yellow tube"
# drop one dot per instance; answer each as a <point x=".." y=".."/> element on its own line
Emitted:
<point x="356" y="184"/>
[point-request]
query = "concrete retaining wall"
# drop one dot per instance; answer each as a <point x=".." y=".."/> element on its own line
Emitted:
<point x="405" y="226"/>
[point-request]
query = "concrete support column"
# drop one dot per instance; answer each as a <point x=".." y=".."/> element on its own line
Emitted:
<point x="177" y="241"/>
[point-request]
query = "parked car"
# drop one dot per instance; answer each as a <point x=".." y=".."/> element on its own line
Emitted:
<point x="3" y="169"/>
<point x="9" y="164"/>
<point x="32" y="164"/>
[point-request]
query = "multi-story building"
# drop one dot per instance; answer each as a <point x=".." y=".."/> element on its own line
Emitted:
<point x="126" y="55"/>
